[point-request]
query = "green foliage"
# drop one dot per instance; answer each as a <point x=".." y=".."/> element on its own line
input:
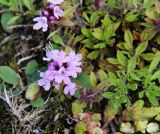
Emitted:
<point x="39" y="102"/>
<point x="140" y="115"/>
<point x="31" y="71"/>
<point x="93" y="79"/>
<point x="119" y="41"/>
<point x="8" y="75"/>
<point x="28" y="4"/>
<point x="110" y="112"/>
<point x="16" y="10"/>
<point x="58" y="40"/>
<point x="77" y="108"/>
<point x="138" y="112"/>
<point x="84" y="80"/>
<point x="5" y="18"/>
<point x="80" y="128"/>
<point x="98" y="37"/>
<point x="93" y="55"/>
<point x="32" y="91"/>
<point x="128" y="40"/>
<point x="102" y="75"/>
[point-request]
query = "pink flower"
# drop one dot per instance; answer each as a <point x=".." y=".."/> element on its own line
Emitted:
<point x="45" y="81"/>
<point x="55" y="1"/>
<point x="70" y="88"/>
<point x="61" y="68"/>
<point x="41" y="23"/>
<point x="61" y="76"/>
<point x="58" y="56"/>
<point x="49" y="15"/>
<point x="75" y="59"/>
<point x="74" y="63"/>
<point x="58" y="12"/>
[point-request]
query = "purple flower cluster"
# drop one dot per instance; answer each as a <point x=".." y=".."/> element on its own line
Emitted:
<point x="49" y="15"/>
<point x="61" y="68"/>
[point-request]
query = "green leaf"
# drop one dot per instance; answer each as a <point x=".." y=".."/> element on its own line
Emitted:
<point x="86" y="32"/>
<point x="116" y="103"/>
<point x="148" y="34"/>
<point x="98" y="34"/>
<point x="76" y="1"/>
<point x="13" y="20"/>
<point x="99" y="45"/>
<point x="141" y="94"/>
<point x="31" y="71"/>
<point x="132" y="64"/>
<point x="116" y="25"/>
<point x="58" y="40"/>
<point x="112" y="78"/>
<point x="4" y="3"/>
<point x="147" y="80"/>
<point x="121" y="58"/>
<point x="151" y="13"/>
<point x="148" y="56"/>
<point x="131" y="17"/>
<point x="148" y="3"/>
<point x="128" y="39"/>
<point x="157" y="5"/>
<point x="120" y="84"/>
<point x="31" y="67"/>
<point x="141" y="48"/>
<point x="153" y="64"/>
<point x="141" y="125"/>
<point x="148" y="25"/>
<point x="157" y="118"/>
<point x="39" y="102"/>
<point x="14" y="4"/>
<point x="102" y="75"/>
<point x="77" y="94"/>
<point x="28" y="4"/>
<point x="32" y="91"/>
<point x="106" y="21"/>
<point x="108" y="95"/>
<point x="5" y="17"/>
<point x="102" y="45"/>
<point x="93" y="79"/>
<point x="93" y="55"/>
<point x="132" y="86"/>
<point x="8" y="75"/>
<point x="86" y="17"/>
<point x="94" y="17"/>
<point x="156" y="75"/>
<point x="113" y="60"/>
<point x="77" y="108"/>
<point x="52" y="47"/>
<point x="51" y="35"/>
<point x="135" y="76"/>
<point x="152" y="98"/>
<point x="112" y="3"/>
<point x="109" y="31"/>
<point x="80" y="128"/>
<point x="84" y="80"/>
<point x="87" y="43"/>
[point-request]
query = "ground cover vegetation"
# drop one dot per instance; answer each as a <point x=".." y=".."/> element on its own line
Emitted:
<point x="79" y="66"/>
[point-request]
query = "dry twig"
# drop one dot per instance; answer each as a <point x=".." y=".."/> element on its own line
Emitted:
<point x="27" y="119"/>
<point x="8" y="39"/>
<point x="25" y="58"/>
